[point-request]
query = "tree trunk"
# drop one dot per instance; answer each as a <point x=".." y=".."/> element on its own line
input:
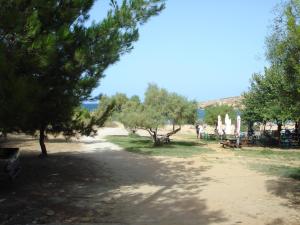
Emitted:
<point x="250" y="129"/>
<point x="173" y="132"/>
<point x="42" y="143"/>
<point x="155" y="139"/>
<point x="297" y="128"/>
<point x="279" y="128"/>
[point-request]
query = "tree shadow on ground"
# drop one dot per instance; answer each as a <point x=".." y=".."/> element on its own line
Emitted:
<point x="294" y="173"/>
<point x="105" y="186"/>
<point x="286" y="188"/>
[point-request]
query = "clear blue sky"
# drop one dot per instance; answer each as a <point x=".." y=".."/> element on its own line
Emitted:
<point x="202" y="49"/>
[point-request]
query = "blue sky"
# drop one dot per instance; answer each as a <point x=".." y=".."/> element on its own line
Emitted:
<point x="202" y="49"/>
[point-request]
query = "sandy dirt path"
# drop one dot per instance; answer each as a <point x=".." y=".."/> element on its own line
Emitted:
<point x="95" y="182"/>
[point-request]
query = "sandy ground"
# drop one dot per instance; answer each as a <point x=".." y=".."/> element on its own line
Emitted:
<point x="91" y="181"/>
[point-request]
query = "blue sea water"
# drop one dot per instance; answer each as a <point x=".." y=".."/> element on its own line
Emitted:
<point x="90" y="106"/>
<point x="201" y="114"/>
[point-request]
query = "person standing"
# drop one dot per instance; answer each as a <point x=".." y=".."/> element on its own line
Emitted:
<point x="201" y="132"/>
<point x="197" y="130"/>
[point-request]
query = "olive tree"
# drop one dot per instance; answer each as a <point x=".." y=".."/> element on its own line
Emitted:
<point x="158" y="109"/>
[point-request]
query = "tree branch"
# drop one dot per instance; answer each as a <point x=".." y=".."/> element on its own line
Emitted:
<point x="173" y="132"/>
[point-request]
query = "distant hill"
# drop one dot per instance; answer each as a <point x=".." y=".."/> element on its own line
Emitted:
<point x="232" y="101"/>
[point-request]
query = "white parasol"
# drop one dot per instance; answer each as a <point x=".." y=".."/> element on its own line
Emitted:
<point x="227" y="124"/>
<point x="219" y="127"/>
<point x="238" y="125"/>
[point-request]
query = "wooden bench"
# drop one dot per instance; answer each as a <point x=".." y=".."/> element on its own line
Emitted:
<point x="9" y="159"/>
<point x="164" y="139"/>
<point x="232" y="143"/>
<point x="289" y="143"/>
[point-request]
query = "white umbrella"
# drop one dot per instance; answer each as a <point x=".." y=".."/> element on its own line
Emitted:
<point x="219" y="127"/>
<point x="238" y="129"/>
<point x="227" y="124"/>
<point x="238" y="125"/>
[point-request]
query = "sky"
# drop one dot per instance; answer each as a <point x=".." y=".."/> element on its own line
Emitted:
<point x="201" y="49"/>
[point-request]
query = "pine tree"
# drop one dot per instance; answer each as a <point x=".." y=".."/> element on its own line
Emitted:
<point x="50" y="60"/>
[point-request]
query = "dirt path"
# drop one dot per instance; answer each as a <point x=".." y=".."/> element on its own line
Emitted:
<point x="95" y="182"/>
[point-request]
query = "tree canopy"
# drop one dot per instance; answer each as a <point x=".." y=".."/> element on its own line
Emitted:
<point x="275" y="95"/>
<point x="50" y="60"/>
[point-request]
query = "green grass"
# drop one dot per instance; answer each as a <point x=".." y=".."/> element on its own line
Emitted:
<point x="277" y="170"/>
<point x="273" y="169"/>
<point x="144" y="145"/>
<point x="270" y="154"/>
<point x="192" y="137"/>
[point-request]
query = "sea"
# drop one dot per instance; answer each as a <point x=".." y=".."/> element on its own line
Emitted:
<point x="93" y="106"/>
<point x="90" y="106"/>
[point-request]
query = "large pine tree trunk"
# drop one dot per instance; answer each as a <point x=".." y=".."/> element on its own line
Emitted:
<point x="42" y="142"/>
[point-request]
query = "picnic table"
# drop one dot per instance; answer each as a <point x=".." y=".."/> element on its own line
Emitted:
<point x="289" y="142"/>
<point x="9" y="161"/>
<point x="230" y="142"/>
<point x="163" y="139"/>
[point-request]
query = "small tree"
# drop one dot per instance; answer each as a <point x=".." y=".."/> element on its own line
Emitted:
<point x="159" y="108"/>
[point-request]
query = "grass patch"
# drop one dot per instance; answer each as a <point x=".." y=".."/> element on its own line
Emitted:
<point x="277" y="170"/>
<point x="273" y="169"/>
<point x="210" y="141"/>
<point x="144" y="145"/>
<point x="270" y="154"/>
<point x="193" y="138"/>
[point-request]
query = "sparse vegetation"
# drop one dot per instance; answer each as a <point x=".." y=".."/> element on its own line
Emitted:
<point x="270" y="154"/>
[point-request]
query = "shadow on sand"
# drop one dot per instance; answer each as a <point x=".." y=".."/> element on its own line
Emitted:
<point x="286" y="188"/>
<point x="105" y="186"/>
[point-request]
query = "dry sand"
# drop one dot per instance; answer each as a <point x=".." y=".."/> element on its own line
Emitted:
<point x="92" y="181"/>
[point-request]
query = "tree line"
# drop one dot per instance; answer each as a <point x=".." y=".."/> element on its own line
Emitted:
<point x="274" y="95"/>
